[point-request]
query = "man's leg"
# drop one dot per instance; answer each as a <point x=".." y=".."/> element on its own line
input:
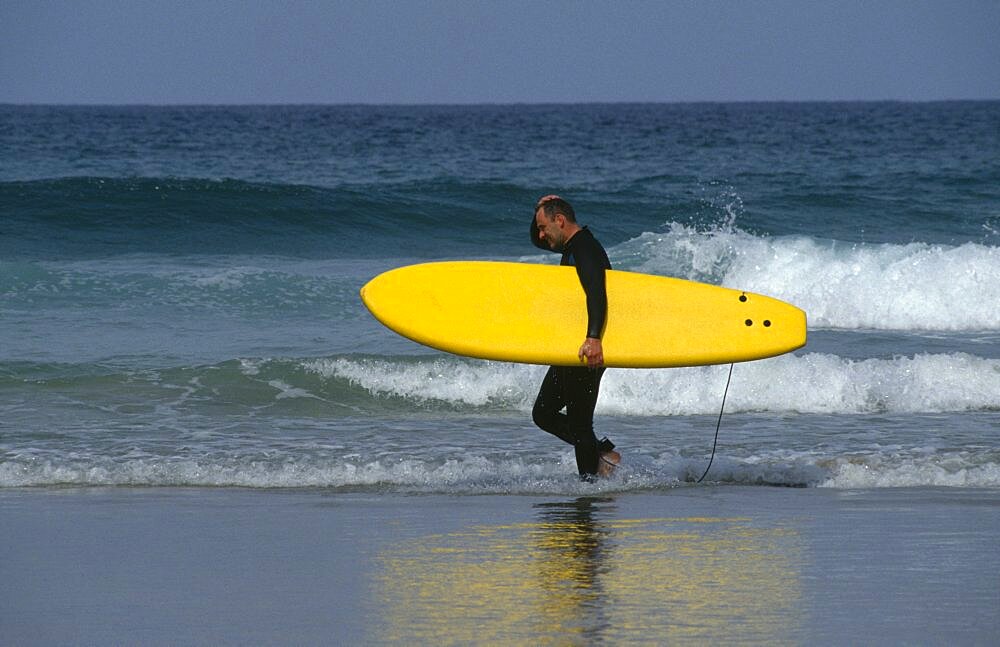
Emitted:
<point x="583" y="387"/>
<point x="576" y="389"/>
<point x="548" y="405"/>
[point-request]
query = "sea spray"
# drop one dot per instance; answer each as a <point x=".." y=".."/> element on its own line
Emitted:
<point x="915" y="286"/>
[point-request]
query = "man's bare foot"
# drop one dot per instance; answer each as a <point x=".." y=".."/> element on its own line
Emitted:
<point x="608" y="462"/>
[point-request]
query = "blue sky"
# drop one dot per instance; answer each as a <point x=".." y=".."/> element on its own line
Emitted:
<point x="378" y="51"/>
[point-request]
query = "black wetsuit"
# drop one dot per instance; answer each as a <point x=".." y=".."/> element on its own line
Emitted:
<point x="576" y="387"/>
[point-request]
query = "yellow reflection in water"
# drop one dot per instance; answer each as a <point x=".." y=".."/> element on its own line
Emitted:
<point x="577" y="575"/>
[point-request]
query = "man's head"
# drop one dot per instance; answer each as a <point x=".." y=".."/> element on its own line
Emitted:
<point x="554" y="223"/>
<point x="552" y="205"/>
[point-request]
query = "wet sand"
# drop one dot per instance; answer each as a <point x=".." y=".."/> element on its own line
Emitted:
<point x="692" y="565"/>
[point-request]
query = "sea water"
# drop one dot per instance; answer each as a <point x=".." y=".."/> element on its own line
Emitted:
<point x="179" y="292"/>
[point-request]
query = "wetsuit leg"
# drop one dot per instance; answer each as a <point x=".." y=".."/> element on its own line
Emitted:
<point x="548" y="405"/>
<point x="576" y="389"/>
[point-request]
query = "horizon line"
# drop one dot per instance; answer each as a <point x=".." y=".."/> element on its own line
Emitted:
<point x="224" y="104"/>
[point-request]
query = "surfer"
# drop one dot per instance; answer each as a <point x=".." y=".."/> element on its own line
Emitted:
<point x="575" y="388"/>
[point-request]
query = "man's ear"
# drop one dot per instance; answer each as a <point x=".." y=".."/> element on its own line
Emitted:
<point x="560" y="220"/>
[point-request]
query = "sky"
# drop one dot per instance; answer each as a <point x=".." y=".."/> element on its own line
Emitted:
<point x="512" y="51"/>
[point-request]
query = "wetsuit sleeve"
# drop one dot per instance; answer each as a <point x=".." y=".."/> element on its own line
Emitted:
<point x="590" y="269"/>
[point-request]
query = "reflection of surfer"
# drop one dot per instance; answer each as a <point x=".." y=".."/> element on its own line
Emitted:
<point x="574" y="554"/>
<point x="576" y="388"/>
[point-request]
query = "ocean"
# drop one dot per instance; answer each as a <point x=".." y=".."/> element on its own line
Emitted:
<point x="179" y="307"/>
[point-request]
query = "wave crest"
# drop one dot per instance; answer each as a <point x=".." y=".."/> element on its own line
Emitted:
<point x="810" y="383"/>
<point x="916" y="286"/>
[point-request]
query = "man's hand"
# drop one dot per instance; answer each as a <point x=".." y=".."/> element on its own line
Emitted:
<point x="592" y="352"/>
<point x="544" y="199"/>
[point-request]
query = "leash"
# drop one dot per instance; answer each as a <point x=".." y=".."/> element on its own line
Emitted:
<point x="717" y="425"/>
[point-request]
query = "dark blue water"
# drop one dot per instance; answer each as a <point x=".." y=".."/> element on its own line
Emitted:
<point x="178" y="290"/>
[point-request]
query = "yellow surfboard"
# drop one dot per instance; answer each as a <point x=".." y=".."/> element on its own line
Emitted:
<point x="537" y="314"/>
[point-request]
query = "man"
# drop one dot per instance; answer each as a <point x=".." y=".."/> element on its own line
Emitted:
<point x="576" y="388"/>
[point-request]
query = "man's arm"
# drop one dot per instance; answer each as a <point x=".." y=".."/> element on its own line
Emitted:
<point x="590" y="270"/>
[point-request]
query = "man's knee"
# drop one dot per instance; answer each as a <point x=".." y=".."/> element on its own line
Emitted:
<point x="541" y="416"/>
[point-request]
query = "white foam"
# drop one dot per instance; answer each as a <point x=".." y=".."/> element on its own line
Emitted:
<point x="446" y="380"/>
<point x="955" y="469"/>
<point x="463" y="474"/>
<point x="809" y="383"/>
<point x="226" y="279"/>
<point x="471" y="473"/>
<point x="286" y="391"/>
<point x="916" y="286"/>
<point x="250" y="367"/>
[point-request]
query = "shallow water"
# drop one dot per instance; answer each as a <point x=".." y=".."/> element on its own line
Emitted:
<point x="179" y="291"/>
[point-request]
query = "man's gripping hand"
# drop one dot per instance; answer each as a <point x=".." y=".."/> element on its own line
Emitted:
<point x="592" y="352"/>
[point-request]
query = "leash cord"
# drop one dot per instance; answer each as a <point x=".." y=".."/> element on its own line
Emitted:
<point x="717" y="425"/>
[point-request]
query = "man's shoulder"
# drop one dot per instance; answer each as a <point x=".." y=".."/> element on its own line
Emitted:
<point x="589" y="244"/>
<point x="586" y="237"/>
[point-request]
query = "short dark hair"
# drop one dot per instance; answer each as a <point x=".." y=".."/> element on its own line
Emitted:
<point x="552" y="206"/>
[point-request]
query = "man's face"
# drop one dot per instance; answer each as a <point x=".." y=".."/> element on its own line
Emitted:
<point x="550" y="231"/>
